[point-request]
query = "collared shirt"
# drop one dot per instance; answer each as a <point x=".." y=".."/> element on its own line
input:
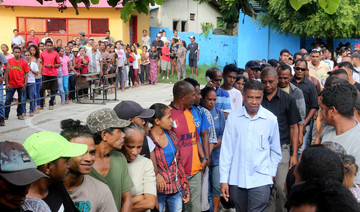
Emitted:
<point x="94" y="63"/>
<point x="250" y="149"/>
<point x="297" y="94"/>
<point x="200" y="119"/>
<point x="283" y="106"/>
<point x="320" y="73"/>
<point x="211" y="130"/>
<point x="185" y="130"/>
<point x="174" y="175"/>
<point x="310" y="93"/>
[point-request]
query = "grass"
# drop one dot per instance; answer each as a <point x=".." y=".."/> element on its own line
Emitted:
<point x="201" y="74"/>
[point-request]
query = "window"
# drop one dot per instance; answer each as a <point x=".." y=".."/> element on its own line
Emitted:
<point x="65" y="29"/>
<point x="183" y="26"/>
<point x="175" y="25"/>
<point x="56" y="25"/>
<point x="192" y="17"/>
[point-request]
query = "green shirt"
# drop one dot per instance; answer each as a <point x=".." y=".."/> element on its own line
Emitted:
<point x="118" y="178"/>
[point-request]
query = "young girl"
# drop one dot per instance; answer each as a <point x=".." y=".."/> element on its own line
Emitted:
<point x="239" y="84"/>
<point x="72" y="76"/>
<point x="65" y="63"/>
<point x="35" y="57"/>
<point x="135" y="55"/>
<point x="145" y="64"/>
<point x="5" y="49"/>
<point x="153" y="56"/>
<point x="131" y="68"/>
<point x="181" y="57"/>
<point x="121" y="72"/>
<point x="169" y="169"/>
<point x="30" y="87"/>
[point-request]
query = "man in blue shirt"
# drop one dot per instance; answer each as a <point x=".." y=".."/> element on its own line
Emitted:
<point x="250" y="152"/>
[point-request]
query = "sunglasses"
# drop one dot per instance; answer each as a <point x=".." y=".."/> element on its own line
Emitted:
<point x="298" y="68"/>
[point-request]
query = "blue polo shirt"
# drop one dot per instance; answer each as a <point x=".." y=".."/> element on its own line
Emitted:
<point x="200" y="120"/>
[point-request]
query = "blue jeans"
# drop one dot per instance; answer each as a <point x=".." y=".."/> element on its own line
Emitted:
<point x="72" y="83"/>
<point x="9" y="98"/>
<point x="2" y="110"/>
<point x="307" y="137"/>
<point x="172" y="202"/>
<point x="66" y="83"/>
<point x="61" y="88"/>
<point x="29" y="93"/>
<point x="37" y="92"/>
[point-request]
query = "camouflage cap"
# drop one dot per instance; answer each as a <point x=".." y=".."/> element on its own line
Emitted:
<point x="104" y="119"/>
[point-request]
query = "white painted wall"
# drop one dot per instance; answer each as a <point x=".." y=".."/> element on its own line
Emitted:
<point x="179" y="10"/>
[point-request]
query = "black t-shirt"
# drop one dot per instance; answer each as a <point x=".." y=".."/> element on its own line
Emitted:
<point x="283" y="106"/>
<point x="160" y="44"/>
<point x="145" y="151"/>
<point x="173" y="49"/>
<point x="357" y="86"/>
<point x="310" y="94"/>
<point x="58" y="197"/>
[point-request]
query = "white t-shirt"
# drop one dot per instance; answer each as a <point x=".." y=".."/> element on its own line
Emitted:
<point x="348" y="141"/>
<point x="18" y="40"/>
<point x="142" y="173"/>
<point x="31" y="76"/>
<point x="146" y="41"/>
<point x="236" y="100"/>
<point x="150" y="143"/>
<point x="164" y="39"/>
<point x="136" y="61"/>
<point x="356" y="74"/>
<point x="92" y="196"/>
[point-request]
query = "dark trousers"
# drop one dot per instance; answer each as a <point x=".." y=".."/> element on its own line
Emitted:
<point x="48" y="82"/>
<point x="252" y="200"/>
<point x="131" y="75"/>
<point x="145" y="71"/>
<point x="9" y="97"/>
<point x="72" y="86"/>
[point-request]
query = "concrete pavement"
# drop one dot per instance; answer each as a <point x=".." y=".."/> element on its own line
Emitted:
<point x="49" y="120"/>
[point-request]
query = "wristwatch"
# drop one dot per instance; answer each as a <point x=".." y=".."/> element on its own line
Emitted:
<point x="204" y="158"/>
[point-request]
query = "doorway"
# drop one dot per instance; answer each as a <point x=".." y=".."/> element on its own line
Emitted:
<point x="133" y="29"/>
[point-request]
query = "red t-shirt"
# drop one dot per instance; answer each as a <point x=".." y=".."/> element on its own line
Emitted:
<point x="17" y="72"/>
<point x="51" y="58"/>
<point x="35" y="40"/>
<point x="83" y="68"/>
<point x="165" y="50"/>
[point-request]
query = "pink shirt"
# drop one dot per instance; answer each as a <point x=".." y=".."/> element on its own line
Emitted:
<point x="64" y="65"/>
<point x="165" y="50"/>
<point x="51" y="58"/>
<point x="35" y="40"/>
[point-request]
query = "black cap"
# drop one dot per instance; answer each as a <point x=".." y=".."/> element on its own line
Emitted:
<point x="130" y="109"/>
<point x="253" y="64"/>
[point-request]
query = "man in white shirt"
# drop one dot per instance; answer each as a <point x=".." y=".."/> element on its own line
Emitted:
<point x="145" y="39"/>
<point x="250" y="152"/>
<point x="46" y="37"/>
<point x="95" y="59"/>
<point x="17" y="39"/>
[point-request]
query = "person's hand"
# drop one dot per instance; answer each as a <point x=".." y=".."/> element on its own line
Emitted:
<point x="304" y="131"/>
<point x="182" y="63"/>
<point x="106" y="72"/>
<point x="301" y="141"/>
<point x="23" y="87"/>
<point x="210" y="84"/>
<point x="225" y="191"/>
<point x="186" y="198"/>
<point x="203" y="165"/>
<point x="315" y="115"/>
<point x="293" y="161"/>
<point x="7" y="87"/>
<point x="197" y="58"/>
<point x="160" y="183"/>
<point x="48" y="66"/>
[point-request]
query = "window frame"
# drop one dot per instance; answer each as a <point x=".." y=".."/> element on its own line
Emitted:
<point x="26" y="33"/>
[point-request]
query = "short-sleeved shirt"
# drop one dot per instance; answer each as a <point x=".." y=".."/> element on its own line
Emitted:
<point x="223" y="100"/>
<point x="283" y="106"/>
<point x="320" y="73"/>
<point x="92" y="196"/>
<point x="64" y="65"/>
<point x="200" y="119"/>
<point x="347" y="141"/>
<point x="49" y="58"/>
<point x="153" y="55"/>
<point x="219" y="122"/>
<point x="159" y="43"/>
<point x="146" y="41"/>
<point x="142" y="174"/>
<point x="58" y="199"/>
<point x="31" y="76"/>
<point x="309" y="92"/>
<point x="17" y="72"/>
<point x="121" y="55"/>
<point x="3" y="61"/>
<point x="298" y="95"/>
<point x="180" y="53"/>
<point x="173" y="49"/>
<point x="35" y="40"/>
<point x="18" y="40"/>
<point x="118" y="178"/>
<point x="185" y="130"/>
<point x="165" y="50"/>
<point x="194" y="49"/>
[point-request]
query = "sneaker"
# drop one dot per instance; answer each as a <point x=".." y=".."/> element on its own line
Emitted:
<point x="163" y="77"/>
<point x="20" y="117"/>
<point x="51" y="107"/>
<point x="2" y="122"/>
<point x="24" y="114"/>
<point x="31" y="115"/>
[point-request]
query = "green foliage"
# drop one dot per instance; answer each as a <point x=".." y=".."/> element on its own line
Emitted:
<point x="141" y="6"/>
<point x="205" y="27"/>
<point x="310" y="20"/>
<point x="329" y="6"/>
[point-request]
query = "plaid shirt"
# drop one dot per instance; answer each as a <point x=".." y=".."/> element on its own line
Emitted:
<point x="170" y="173"/>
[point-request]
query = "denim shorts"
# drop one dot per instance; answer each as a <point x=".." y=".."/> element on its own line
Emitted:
<point x="215" y="181"/>
<point x="172" y="202"/>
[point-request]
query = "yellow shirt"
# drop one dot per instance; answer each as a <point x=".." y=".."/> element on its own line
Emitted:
<point x="320" y="73"/>
<point x="139" y="52"/>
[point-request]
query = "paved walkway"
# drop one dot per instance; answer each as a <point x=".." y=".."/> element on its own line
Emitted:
<point x="19" y="130"/>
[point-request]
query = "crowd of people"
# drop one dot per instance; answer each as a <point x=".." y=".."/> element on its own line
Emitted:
<point x="276" y="136"/>
<point x="30" y="69"/>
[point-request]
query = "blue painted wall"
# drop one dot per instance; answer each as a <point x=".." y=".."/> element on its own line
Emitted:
<point x="220" y="46"/>
<point x="259" y="43"/>
<point x="308" y="42"/>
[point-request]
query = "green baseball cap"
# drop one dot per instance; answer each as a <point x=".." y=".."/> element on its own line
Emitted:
<point x="104" y="119"/>
<point x="44" y="147"/>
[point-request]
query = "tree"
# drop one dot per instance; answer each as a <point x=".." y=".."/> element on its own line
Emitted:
<point x="311" y="20"/>
<point x="141" y="6"/>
